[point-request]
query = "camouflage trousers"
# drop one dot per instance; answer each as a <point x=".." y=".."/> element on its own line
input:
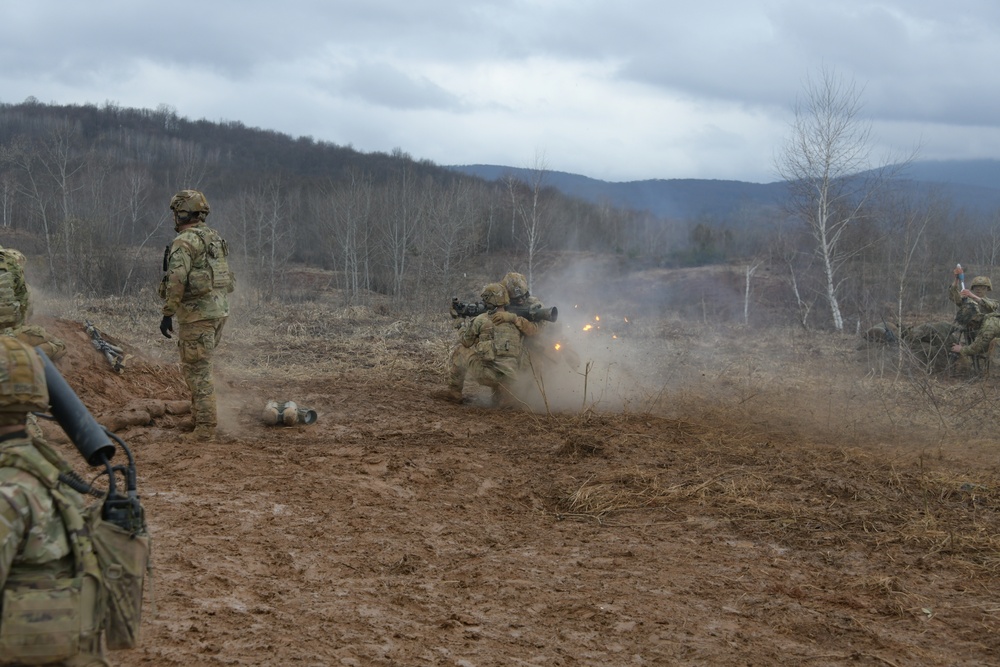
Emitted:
<point x="464" y="362"/>
<point x="197" y="342"/>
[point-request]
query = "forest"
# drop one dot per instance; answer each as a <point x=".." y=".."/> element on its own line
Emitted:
<point x="84" y="192"/>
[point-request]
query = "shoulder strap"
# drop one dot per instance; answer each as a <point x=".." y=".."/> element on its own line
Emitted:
<point x="180" y="241"/>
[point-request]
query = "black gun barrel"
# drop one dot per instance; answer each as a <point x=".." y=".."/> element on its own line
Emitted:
<point x="536" y="314"/>
<point x="83" y="430"/>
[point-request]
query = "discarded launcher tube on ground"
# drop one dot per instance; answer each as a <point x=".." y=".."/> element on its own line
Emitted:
<point x="287" y="414"/>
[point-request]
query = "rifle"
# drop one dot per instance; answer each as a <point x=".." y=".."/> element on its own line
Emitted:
<point x="112" y="353"/>
<point x="459" y="309"/>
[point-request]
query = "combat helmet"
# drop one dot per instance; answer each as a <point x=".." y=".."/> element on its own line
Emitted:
<point x="190" y="204"/>
<point x="981" y="281"/>
<point x="516" y="285"/>
<point x="495" y="295"/>
<point x="22" y="381"/>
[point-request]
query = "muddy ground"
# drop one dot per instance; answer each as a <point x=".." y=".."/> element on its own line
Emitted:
<point x="677" y="513"/>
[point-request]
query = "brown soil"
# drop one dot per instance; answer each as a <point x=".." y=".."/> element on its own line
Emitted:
<point x="654" y="526"/>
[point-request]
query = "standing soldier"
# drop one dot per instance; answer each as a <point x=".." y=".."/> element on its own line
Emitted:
<point x="195" y="289"/>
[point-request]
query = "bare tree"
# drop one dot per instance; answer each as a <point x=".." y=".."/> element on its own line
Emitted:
<point x="827" y="164"/>
<point x="345" y="216"/>
<point x="263" y="216"/>
<point x="531" y="212"/>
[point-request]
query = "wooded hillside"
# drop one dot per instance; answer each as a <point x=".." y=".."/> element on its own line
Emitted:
<point x="84" y="192"/>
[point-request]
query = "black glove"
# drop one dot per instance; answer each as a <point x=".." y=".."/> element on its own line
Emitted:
<point x="166" y="326"/>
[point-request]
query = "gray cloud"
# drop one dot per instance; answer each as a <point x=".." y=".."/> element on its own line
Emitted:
<point x="622" y="91"/>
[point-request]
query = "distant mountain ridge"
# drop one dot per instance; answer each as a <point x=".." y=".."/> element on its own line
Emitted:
<point x="973" y="184"/>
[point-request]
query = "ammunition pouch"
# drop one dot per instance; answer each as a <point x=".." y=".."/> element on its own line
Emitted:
<point x="48" y="621"/>
<point x="124" y="559"/>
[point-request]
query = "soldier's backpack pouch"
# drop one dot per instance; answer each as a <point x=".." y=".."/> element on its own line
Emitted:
<point x="43" y="621"/>
<point x="124" y="560"/>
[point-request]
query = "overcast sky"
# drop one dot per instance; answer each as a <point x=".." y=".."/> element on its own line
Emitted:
<point x="612" y="89"/>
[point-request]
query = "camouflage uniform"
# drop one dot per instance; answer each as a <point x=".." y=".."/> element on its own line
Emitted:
<point x="496" y="356"/>
<point x="931" y="343"/>
<point x="989" y="330"/>
<point x="39" y="550"/>
<point x="489" y="349"/>
<point x="539" y="346"/>
<point x="15" y="302"/>
<point x="195" y="289"/>
<point x="36" y="336"/>
<point x="971" y="312"/>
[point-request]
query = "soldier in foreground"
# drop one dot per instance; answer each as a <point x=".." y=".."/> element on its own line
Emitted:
<point x="52" y="603"/>
<point x="195" y="290"/>
<point x="489" y="349"/>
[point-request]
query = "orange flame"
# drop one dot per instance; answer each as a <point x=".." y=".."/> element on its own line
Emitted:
<point x="558" y="346"/>
<point x="588" y="327"/>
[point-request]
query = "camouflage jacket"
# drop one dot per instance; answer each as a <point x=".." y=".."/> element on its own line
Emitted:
<point x="47" y="561"/>
<point x="37" y="336"/>
<point x="198" y="279"/>
<point x="982" y="307"/>
<point x="32" y="534"/>
<point x="15" y="303"/>
<point x="989" y="330"/>
<point x="497" y="345"/>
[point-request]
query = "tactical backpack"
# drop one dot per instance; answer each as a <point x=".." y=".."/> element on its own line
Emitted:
<point x="209" y="271"/>
<point x="498" y="342"/>
<point x="212" y="273"/>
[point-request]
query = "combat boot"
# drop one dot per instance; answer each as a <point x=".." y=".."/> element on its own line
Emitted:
<point x="503" y="399"/>
<point x="201" y="434"/>
<point x="451" y="394"/>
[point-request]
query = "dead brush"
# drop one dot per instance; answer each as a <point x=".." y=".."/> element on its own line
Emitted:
<point x="634" y="490"/>
<point x="637" y="490"/>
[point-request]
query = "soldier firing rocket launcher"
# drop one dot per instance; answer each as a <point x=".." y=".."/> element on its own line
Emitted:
<point x="459" y="309"/>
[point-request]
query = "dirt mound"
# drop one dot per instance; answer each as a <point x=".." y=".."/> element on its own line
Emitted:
<point x="146" y="392"/>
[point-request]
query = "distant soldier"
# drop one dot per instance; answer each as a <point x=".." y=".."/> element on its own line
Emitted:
<point x="973" y="303"/>
<point x="195" y="290"/>
<point x="489" y="349"/>
<point x="987" y="333"/>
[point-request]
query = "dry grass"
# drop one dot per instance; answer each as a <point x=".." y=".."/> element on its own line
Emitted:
<point x="798" y="438"/>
